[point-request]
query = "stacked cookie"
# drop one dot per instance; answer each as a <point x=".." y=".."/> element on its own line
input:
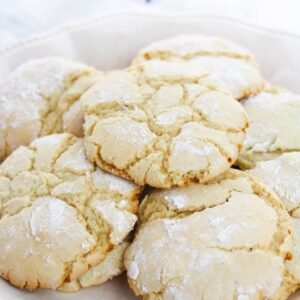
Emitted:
<point x="78" y="146"/>
<point x="64" y="222"/>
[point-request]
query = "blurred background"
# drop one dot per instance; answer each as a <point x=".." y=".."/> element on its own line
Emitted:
<point x="22" y="18"/>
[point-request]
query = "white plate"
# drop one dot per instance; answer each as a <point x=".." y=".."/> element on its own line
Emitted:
<point x="110" y="42"/>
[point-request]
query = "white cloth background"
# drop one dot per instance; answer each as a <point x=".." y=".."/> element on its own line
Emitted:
<point x="22" y="18"/>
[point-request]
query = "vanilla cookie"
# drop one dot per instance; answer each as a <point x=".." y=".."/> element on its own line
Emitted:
<point x="294" y="264"/>
<point x="39" y="98"/>
<point x="111" y="266"/>
<point x="232" y="65"/>
<point x="282" y="175"/>
<point x="274" y="126"/>
<point x="161" y="124"/>
<point x="60" y="216"/>
<point x="227" y="239"/>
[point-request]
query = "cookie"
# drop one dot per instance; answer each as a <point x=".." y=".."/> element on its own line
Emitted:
<point x="274" y="126"/>
<point x="60" y="216"/>
<point x="232" y="65"/>
<point x="111" y="266"/>
<point x="39" y="98"/>
<point x="161" y="124"/>
<point x="294" y="264"/>
<point x="282" y="175"/>
<point x="227" y="239"/>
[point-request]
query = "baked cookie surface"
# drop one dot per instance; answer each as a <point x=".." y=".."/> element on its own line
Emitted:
<point x="232" y="65"/>
<point x="60" y="216"/>
<point x="39" y="98"/>
<point x="294" y="264"/>
<point x="162" y="124"/>
<point x="227" y="239"/>
<point x="274" y="126"/>
<point x="282" y="175"/>
<point x="112" y="265"/>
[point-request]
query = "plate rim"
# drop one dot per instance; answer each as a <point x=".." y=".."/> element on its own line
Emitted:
<point x="180" y="17"/>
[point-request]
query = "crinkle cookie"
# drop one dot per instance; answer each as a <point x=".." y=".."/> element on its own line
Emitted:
<point x="227" y="239"/>
<point x="274" y="126"/>
<point x="112" y="265"/>
<point x="40" y="98"/>
<point x="161" y="124"/>
<point x="282" y="175"/>
<point x="232" y="65"/>
<point x="62" y="220"/>
<point x="294" y="264"/>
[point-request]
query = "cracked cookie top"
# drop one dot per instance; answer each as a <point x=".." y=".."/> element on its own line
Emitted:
<point x="294" y="264"/>
<point x="162" y="124"/>
<point x="282" y="175"/>
<point x="39" y="98"/>
<point x="274" y="126"/>
<point x="59" y="214"/>
<point x="232" y="65"/>
<point x="227" y="239"/>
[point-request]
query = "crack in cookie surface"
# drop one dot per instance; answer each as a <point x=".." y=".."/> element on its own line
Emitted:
<point x="282" y="175"/>
<point x="228" y="238"/>
<point x="234" y="67"/>
<point x="152" y="108"/>
<point x="274" y="126"/>
<point x="35" y="100"/>
<point x="60" y="216"/>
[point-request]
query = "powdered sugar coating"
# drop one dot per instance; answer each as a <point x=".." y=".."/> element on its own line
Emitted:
<point x="113" y="183"/>
<point x="282" y="175"/>
<point x="31" y="93"/>
<point x="121" y="221"/>
<point x="63" y="214"/>
<point x="110" y="267"/>
<point x="189" y="45"/>
<point x="232" y="65"/>
<point x="173" y="116"/>
<point x="42" y="244"/>
<point x="274" y="126"/>
<point x="162" y="124"/>
<point x="227" y="240"/>
<point x="294" y="264"/>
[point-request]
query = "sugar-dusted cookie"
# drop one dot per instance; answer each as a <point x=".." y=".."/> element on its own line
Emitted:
<point x="39" y="98"/>
<point x="282" y="175"/>
<point x="227" y="239"/>
<point x="232" y="65"/>
<point x="111" y="266"/>
<point x="274" y="126"/>
<point x="294" y="264"/>
<point x="162" y="124"/>
<point x="60" y="216"/>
